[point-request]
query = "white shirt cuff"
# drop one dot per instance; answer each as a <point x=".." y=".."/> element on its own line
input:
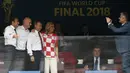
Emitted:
<point x="109" y="23"/>
<point x="30" y="54"/>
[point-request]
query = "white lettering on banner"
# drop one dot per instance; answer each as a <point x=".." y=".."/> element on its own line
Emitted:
<point x="81" y="3"/>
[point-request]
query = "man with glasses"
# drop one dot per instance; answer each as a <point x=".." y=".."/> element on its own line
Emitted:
<point x="122" y="42"/>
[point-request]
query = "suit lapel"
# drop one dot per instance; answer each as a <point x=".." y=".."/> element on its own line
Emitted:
<point x="124" y="24"/>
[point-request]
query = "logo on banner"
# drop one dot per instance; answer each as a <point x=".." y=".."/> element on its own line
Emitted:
<point x="82" y="8"/>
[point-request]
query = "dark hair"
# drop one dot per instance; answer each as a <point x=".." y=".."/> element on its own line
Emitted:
<point x="125" y="14"/>
<point x="97" y="46"/>
<point x="37" y="21"/>
<point x="13" y="19"/>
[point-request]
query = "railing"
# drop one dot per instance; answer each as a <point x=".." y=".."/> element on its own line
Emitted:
<point x="78" y="44"/>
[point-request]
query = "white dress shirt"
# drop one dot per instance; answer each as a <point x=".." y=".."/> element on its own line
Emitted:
<point x="34" y="42"/>
<point x="123" y="24"/>
<point x="110" y="23"/>
<point x="8" y="35"/>
<point x="22" y="39"/>
<point x="98" y="65"/>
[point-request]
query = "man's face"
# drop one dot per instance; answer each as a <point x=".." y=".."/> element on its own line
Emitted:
<point x="27" y="22"/>
<point x="96" y="52"/>
<point x="15" y="23"/>
<point x="38" y="26"/>
<point x="122" y="18"/>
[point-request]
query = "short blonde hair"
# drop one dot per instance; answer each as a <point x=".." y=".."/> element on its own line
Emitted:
<point x="47" y="27"/>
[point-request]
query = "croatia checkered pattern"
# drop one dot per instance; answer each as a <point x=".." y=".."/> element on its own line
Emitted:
<point x="49" y="42"/>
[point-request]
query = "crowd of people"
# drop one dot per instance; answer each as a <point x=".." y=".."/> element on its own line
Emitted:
<point x="20" y="39"/>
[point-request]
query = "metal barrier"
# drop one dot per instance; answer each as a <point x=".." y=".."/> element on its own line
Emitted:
<point x="80" y="46"/>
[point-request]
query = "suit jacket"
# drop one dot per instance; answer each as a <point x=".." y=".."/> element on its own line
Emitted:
<point x="122" y="42"/>
<point x="90" y="62"/>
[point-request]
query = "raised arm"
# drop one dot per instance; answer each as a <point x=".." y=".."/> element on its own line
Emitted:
<point x="119" y="30"/>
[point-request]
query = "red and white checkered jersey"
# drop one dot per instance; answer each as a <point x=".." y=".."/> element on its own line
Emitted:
<point x="49" y="44"/>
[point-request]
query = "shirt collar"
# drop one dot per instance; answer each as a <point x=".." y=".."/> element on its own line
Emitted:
<point x="24" y="28"/>
<point x="12" y="26"/>
<point x="123" y="24"/>
<point x="36" y="31"/>
<point x="97" y="57"/>
<point x="49" y="34"/>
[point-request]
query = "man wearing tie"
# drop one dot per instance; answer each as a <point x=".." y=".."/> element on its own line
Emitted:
<point x="122" y="42"/>
<point x="10" y="36"/>
<point x="34" y="46"/>
<point x="21" y="42"/>
<point x="94" y="62"/>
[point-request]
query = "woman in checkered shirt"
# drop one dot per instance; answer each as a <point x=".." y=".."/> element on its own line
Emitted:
<point x="50" y="48"/>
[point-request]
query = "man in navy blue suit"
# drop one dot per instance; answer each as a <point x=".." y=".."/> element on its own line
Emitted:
<point x="123" y="41"/>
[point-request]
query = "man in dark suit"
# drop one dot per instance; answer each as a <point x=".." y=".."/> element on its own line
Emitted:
<point x="95" y="61"/>
<point x="122" y="42"/>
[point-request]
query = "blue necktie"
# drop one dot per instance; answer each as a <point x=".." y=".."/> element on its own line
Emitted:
<point x="96" y="64"/>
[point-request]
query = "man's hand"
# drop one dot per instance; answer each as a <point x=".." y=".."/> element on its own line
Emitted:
<point x="15" y="36"/>
<point x="32" y="58"/>
<point x="108" y="20"/>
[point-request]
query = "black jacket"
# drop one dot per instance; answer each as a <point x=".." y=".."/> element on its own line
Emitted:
<point x="90" y="62"/>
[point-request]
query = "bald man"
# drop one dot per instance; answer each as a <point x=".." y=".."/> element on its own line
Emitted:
<point x="23" y="32"/>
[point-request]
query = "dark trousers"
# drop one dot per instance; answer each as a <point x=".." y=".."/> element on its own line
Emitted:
<point x="22" y="54"/>
<point x="9" y="57"/>
<point x="34" y="66"/>
<point x="126" y="62"/>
